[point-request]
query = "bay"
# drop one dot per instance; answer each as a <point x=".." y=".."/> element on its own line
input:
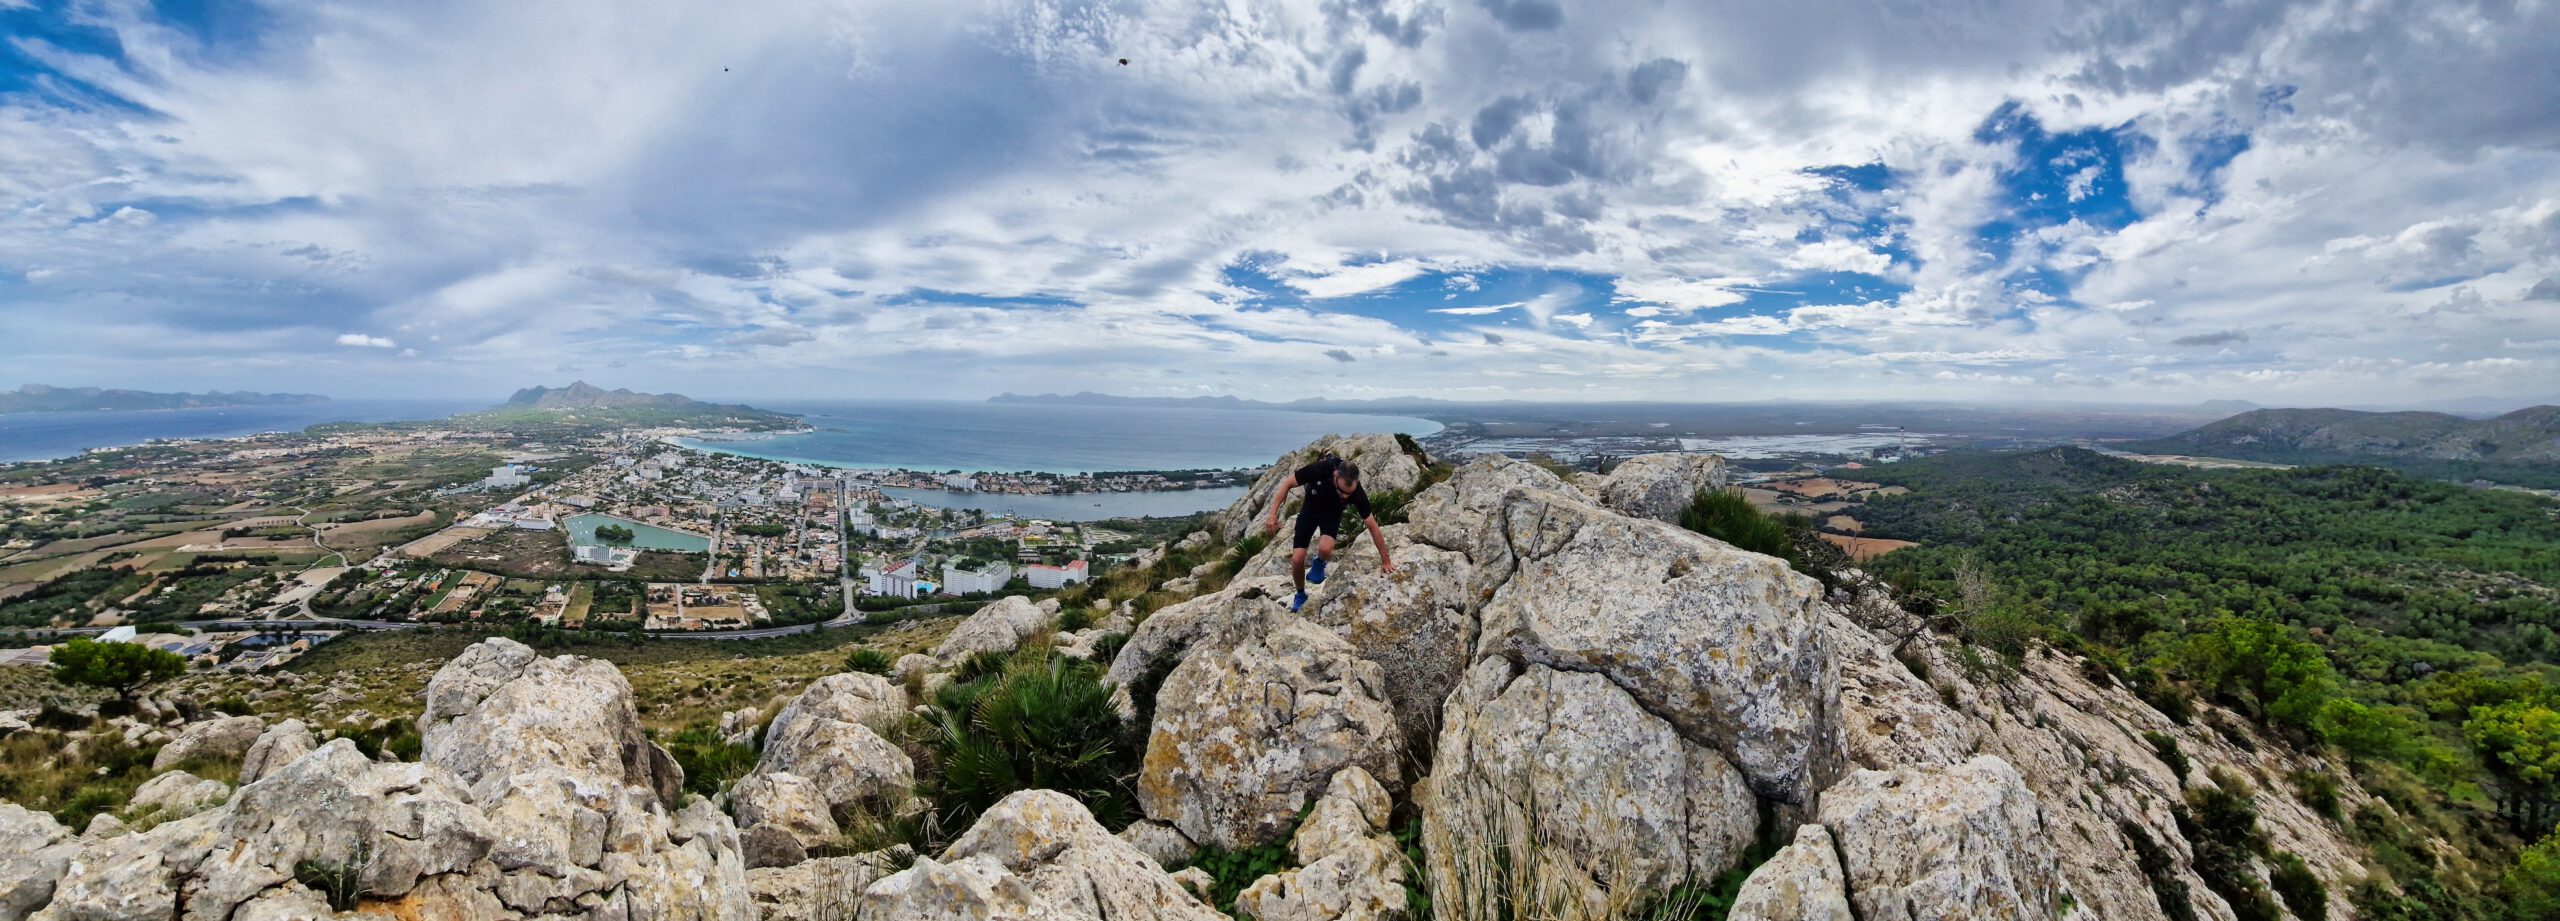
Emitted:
<point x="1010" y="438"/>
<point x="49" y="435"/>
<point x="1164" y="503"/>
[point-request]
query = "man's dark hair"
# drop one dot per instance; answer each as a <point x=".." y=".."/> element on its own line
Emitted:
<point x="1348" y="471"/>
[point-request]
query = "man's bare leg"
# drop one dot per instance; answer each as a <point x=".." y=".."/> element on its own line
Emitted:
<point x="1324" y="547"/>
<point x="1298" y="566"/>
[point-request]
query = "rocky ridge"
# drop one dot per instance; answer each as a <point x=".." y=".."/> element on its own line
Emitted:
<point x="1584" y="706"/>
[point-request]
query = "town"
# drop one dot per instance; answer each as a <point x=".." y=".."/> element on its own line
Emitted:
<point x="241" y="553"/>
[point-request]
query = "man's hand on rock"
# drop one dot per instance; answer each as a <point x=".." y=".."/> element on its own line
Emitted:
<point x="1387" y="566"/>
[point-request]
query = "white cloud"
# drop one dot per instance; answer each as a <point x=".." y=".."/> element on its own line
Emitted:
<point x="789" y="194"/>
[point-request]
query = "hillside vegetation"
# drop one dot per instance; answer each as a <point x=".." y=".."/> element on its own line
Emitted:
<point x="2521" y="447"/>
<point x="2408" y="622"/>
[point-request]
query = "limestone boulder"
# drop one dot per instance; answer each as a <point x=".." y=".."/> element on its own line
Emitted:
<point x="388" y="824"/>
<point x="1566" y="765"/>
<point x="1416" y="624"/>
<point x="499" y="709"/>
<point x="1055" y="848"/>
<point x="742" y="726"/>
<point x="820" y="755"/>
<point x="1001" y="626"/>
<point x="1802" y="882"/>
<point x="1349" y="868"/>
<point x="976" y="889"/>
<point x="134" y="875"/>
<point x="278" y="746"/>
<point x="1160" y="841"/>
<point x="221" y="741"/>
<point x="1660" y="486"/>
<point x="178" y="794"/>
<point x="1383" y="466"/>
<point x="825" y="889"/>
<point x="39" y="852"/>
<point x="852" y="697"/>
<point x="1956" y="842"/>
<point x="1724" y="644"/>
<point x="1261" y="715"/>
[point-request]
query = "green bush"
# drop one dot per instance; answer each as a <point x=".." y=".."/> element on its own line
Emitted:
<point x="1044" y="723"/>
<point x="869" y="661"/>
<point x="2222" y="825"/>
<point x="1072" y="618"/>
<point x="118" y="667"/>
<point x="2320" y="792"/>
<point x="1726" y="516"/>
<point x="2301" y="891"/>
<point x="2533" y="885"/>
<point x="2166" y="746"/>
<point x="710" y="763"/>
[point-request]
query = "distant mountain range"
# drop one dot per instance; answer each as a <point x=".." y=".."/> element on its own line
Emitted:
<point x="585" y="402"/>
<point x="34" y="398"/>
<point x="2521" y="446"/>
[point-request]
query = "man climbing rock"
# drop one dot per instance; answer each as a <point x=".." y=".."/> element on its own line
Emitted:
<point x="1330" y="484"/>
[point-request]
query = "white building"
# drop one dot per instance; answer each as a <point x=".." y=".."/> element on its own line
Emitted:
<point x="506" y="476"/>
<point x="898" y="581"/>
<point x="958" y="581"/>
<point x="960" y="483"/>
<point x="1054" y="576"/>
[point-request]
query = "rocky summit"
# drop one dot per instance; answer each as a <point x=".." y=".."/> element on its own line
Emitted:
<point x="1560" y="705"/>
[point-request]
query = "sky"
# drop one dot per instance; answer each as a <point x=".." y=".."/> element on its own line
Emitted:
<point x="2295" y="202"/>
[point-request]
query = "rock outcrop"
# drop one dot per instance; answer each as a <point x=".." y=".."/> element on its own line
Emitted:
<point x="1960" y="841"/>
<point x="1266" y="710"/>
<point x="1037" y="854"/>
<point x="1001" y="626"/>
<point x="1349" y="868"/>
<point x="537" y="796"/>
<point x="39" y="852"/>
<point x="221" y="740"/>
<point x="821" y="755"/>
<point x="178" y="794"/>
<point x="280" y="745"/>
<point x="1568" y="765"/>
<point x="1660" y="486"/>
<point x="1802" y="882"/>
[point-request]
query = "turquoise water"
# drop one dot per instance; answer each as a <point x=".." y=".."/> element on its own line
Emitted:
<point x="582" y="532"/>
<point x="1009" y="438"/>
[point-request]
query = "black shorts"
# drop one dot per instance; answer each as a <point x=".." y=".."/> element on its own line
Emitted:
<point x="1308" y="525"/>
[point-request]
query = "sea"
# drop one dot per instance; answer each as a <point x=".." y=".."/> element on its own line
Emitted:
<point x="976" y="437"/>
<point x="50" y="435"/>
<point x="1012" y="438"/>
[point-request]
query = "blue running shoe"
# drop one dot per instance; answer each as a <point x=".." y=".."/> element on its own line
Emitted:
<point x="1299" y="602"/>
<point x="1315" y="573"/>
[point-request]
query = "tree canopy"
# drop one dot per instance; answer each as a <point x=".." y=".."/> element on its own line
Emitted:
<point x="119" y="667"/>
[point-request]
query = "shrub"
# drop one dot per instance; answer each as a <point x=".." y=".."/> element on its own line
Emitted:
<point x="1107" y="647"/>
<point x="869" y="661"/>
<point x="1072" y="618"/>
<point x="979" y="665"/>
<point x="710" y="762"/>
<point x="2166" y="746"/>
<point x="2301" y="891"/>
<point x="1045" y="723"/>
<point x="1726" y="516"/>
<point x="342" y="884"/>
<point x="2320" y="792"/>
<point x="2534" y="884"/>
<point x="2223" y="827"/>
<point x="234" y="705"/>
<point x="2161" y="867"/>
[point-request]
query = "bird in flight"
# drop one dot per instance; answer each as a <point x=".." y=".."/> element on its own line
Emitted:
<point x="1124" y="62"/>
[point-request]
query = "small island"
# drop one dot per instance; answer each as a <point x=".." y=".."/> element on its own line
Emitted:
<point x="615" y="534"/>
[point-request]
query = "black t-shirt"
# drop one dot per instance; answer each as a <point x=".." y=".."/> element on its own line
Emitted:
<point x="1324" y="502"/>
